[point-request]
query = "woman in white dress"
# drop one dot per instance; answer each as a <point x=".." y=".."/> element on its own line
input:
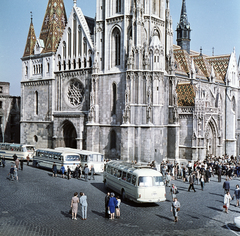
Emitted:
<point x="227" y="199"/>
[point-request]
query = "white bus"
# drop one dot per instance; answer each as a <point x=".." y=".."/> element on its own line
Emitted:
<point x="21" y="150"/>
<point x="134" y="181"/>
<point x="46" y="157"/>
<point x="90" y="158"/>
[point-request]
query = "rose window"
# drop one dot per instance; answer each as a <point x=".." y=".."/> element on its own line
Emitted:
<point x="75" y="93"/>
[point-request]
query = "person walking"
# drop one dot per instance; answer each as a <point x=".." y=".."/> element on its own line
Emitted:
<point x="175" y="208"/>
<point x="237" y="194"/>
<point x="54" y="169"/>
<point x="11" y="173"/>
<point x="16" y="161"/>
<point x="83" y="203"/>
<point x="74" y="206"/>
<point x="107" y="197"/>
<point x="28" y="159"/>
<point x="219" y="174"/>
<point x="173" y="191"/>
<point x="191" y="183"/>
<point x="227" y="199"/>
<point x="15" y="173"/>
<point x="168" y="180"/>
<point x="86" y="172"/>
<point x="118" y="207"/>
<point x="62" y="170"/>
<point x="92" y="172"/>
<point x="112" y="205"/>
<point x="77" y="172"/>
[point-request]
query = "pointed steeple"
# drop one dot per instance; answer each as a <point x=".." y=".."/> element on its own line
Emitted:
<point x="183" y="29"/>
<point x="31" y="40"/>
<point x="53" y="25"/>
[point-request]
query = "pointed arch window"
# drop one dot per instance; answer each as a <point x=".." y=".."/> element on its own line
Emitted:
<point x="36" y="103"/>
<point x="118" y="6"/>
<point x="114" y="98"/>
<point x="79" y="63"/>
<point x="79" y="40"/>
<point x="64" y="49"/>
<point x="90" y="62"/>
<point x="26" y="70"/>
<point x="69" y="42"/>
<point x="74" y="35"/>
<point x="116" y="47"/>
<point x="59" y="65"/>
<point x="113" y="140"/>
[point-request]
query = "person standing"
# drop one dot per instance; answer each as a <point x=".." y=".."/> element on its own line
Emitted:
<point x="112" y="205"/>
<point x="191" y="183"/>
<point x="168" y="180"/>
<point x="28" y="159"/>
<point x="226" y="186"/>
<point x="118" y="207"/>
<point x="92" y="172"/>
<point x="68" y="173"/>
<point x="21" y="163"/>
<point x="202" y="182"/>
<point x="11" y="173"/>
<point x="83" y="203"/>
<point x="15" y="173"/>
<point x="175" y="209"/>
<point x="227" y="199"/>
<point x="77" y="172"/>
<point x="16" y="161"/>
<point x="74" y="206"/>
<point x="3" y="161"/>
<point x="237" y="194"/>
<point x="54" y="169"/>
<point x="107" y="197"/>
<point x="62" y="170"/>
<point x="86" y="171"/>
<point x="219" y="174"/>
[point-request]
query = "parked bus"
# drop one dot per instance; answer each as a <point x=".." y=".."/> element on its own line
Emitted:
<point x="46" y="157"/>
<point x="21" y="150"/>
<point x="90" y="158"/>
<point x="136" y="182"/>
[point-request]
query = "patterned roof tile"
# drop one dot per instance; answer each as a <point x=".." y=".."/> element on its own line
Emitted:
<point x="185" y="94"/>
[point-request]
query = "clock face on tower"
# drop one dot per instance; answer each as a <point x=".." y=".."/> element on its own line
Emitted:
<point x="75" y="92"/>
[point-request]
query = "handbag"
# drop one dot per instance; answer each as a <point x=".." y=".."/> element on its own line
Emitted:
<point x="177" y="191"/>
<point x="178" y="209"/>
<point x="233" y="197"/>
<point x="224" y="206"/>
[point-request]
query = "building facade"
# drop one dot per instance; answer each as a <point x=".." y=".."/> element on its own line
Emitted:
<point x="9" y="115"/>
<point x="118" y="85"/>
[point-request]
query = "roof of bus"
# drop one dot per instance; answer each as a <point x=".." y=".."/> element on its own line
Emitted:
<point x="138" y="168"/>
<point x="84" y="152"/>
<point x="55" y="151"/>
<point x="16" y="144"/>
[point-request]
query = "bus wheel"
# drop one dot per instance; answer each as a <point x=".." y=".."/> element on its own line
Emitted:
<point x="123" y="195"/>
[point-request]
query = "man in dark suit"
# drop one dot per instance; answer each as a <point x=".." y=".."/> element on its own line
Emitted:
<point x="106" y="205"/>
<point x="226" y="186"/>
<point x="219" y="174"/>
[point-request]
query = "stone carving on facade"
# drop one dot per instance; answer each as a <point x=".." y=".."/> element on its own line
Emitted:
<point x="126" y="115"/>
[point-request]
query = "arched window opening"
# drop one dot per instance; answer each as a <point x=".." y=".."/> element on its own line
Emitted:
<point x="69" y="42"/>
<point x="59" y="66"/>
<point x="79" y="63"/>
<point x="144" y="90"/>
<point x="26" y="71"/>
<point x="69" y="64"/>
<point x="233" y="104"/>
<point x="64" y="65"/>
<point x="116" y="47"/>
<point x="85" y="47"/>
<point x="74" y="35"/>
<point x="118" y="6"/>
<point x="114" y="98"/>
<point x="74" y="64"/>
<point x="48" y="67"/>
<point x="79" y="40"/>
<point x="170" y="93"/>
<point x="36" y="103"/>
<point x="64" y="49"/>
<point x="85" y="63"/>
<point x="90" y="62"/>
<point x="113" y="139"/>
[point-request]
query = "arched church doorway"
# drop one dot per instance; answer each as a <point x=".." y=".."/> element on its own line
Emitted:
<point x="69" y="134"/>
<point x="211" y="137"/>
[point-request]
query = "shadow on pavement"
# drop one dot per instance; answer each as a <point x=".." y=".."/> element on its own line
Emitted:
<point x="215" y="209"/>
<point x="164" y="217"/>
<point x="217" y="194"/>
<point x="66" y="214"/>
<point x="102" y="214"/>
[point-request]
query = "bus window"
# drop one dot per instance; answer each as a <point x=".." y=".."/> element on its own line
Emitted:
<point x="129" y="177"/>
<point x="145" y="181"/>
<point x="158" y="180"/>
<point x="83" y="158"/>
<point x="134" y="179"/>
<point x="124" y="176"/>
<point x="119" y="173"/>
<point x="112" y="171"/>
<point x="71" y="158"/>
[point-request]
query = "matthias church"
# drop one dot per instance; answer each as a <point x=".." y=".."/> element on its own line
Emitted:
<point x="117" y="84"/>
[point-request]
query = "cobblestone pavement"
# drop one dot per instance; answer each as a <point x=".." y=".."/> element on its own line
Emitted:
<point x="38" y="204"/>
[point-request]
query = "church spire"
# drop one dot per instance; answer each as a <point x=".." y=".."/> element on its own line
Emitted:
<point x="53" y="25"/>
<point x="31" y="40"/>
<point x="183" y="29"/>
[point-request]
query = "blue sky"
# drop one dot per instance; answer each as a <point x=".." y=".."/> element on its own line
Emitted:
<point x="214" y="23"/>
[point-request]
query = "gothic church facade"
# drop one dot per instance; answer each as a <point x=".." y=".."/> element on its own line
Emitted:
<point x="117" y="85"/>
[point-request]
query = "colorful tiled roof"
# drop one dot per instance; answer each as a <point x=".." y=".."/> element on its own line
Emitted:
<point x="203" y="65"/>
<point x="185" y="94"/>
<point x="31" y="40"/>
<point x="220" y="64"/>
<point x="53" y="25"/>
<point x="183" y="60"/>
